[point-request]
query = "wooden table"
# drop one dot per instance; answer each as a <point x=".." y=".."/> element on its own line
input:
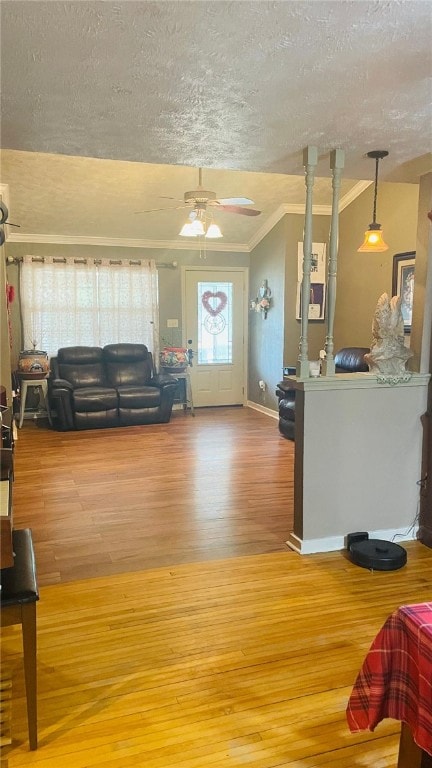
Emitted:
<point x="396" y="681"/>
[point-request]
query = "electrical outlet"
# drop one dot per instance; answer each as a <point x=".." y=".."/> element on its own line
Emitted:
<point x="262" y="385"/>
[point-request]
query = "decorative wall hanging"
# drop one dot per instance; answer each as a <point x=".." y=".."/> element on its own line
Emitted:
<point x="262" y="302"/>
<point x="318" y="281"/>
<point x="214" y="321"/>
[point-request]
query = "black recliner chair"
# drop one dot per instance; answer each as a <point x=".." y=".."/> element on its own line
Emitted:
<point x="347" y="360"/>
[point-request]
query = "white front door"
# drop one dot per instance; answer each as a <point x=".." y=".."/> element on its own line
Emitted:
<point x="214" y="306"/>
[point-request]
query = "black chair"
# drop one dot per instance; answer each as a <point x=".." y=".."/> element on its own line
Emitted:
<point x="18" y="597"/>
<point x="286" y="395"/>
<point x="347" y="360"/>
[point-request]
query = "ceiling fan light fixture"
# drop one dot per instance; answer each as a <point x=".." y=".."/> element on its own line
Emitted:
<point x="213" y="232"/>
<point x="197" y="227"/>
<point x="187" y="231"/>
<point x="192" y="228"/>
<point x="373" y="240"/>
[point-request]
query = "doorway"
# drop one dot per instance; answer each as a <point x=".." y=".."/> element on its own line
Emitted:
<point x="214" y="306"/>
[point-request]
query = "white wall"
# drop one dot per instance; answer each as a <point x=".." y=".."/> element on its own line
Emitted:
<point x="361" y="459"/>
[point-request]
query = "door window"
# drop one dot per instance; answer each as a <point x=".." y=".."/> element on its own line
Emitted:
<point x="215" y="327"/>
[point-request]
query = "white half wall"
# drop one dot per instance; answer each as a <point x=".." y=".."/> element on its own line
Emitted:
<point x="357" y="458"/>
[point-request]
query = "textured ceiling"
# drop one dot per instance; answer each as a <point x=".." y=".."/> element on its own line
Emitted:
<point x="60" y="195"/>
<point x="224" y="85"/>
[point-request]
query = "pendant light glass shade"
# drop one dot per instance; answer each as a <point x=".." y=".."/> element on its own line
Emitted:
<point x="373" y="240"/>
<point x="192" y="229"/>
<point x="186" y="230"/>
<point x="213" y="232"/>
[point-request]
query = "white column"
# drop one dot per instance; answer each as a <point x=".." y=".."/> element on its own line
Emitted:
<point x="337" y="158"/>
<point x="310" y="160"/>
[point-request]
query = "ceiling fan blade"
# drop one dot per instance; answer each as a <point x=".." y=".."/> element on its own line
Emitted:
<point x="239" y="209"/>
<point x="153" y="210"/>
<point x="234" y="201"/>
<point x="166" y="197"/>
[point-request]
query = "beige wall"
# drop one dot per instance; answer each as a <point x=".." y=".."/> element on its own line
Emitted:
<point x="363" y="277"/>
<point x="266" y="335"/>
<point x="317" y="328"/>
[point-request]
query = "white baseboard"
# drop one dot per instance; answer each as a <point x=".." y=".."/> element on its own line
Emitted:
<point x="334" y="543"/>
<point x="262" y="409"/>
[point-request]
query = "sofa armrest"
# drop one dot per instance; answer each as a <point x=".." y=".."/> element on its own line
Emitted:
<point x="285" y="389"/>
<point x="162" y="380"/>
<point x="61" y="384"/>
<point x="60" y="397"/>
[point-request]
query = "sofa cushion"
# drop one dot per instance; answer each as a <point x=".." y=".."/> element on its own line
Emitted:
<point x="127" y="364"/>
<point x="96" y="419"/>
<point x="351" y="360"/>
<point x="93" y="399"/>
<point x="81" y="366"/>
<point x="139" y="397"/>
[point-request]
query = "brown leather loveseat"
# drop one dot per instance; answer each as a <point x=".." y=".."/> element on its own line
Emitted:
<point x="93" y="387"/>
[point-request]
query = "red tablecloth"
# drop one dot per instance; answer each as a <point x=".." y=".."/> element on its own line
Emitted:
<point x="396" y="677"/>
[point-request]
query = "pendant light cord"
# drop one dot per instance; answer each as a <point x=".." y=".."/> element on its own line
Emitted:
<point x="375" y="191"/>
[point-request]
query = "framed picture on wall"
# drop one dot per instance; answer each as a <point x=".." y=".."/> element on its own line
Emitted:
<point x="317" y="284"/>
<point x="316" y="301"/>
<point x="403" y="284"/>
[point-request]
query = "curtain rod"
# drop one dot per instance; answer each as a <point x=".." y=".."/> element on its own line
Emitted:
<point x="62" y="260"/>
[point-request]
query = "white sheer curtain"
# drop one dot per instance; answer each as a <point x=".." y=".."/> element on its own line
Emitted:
<point x="68" y="302"/>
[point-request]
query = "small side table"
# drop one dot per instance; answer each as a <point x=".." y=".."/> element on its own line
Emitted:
<point x="24" y="385"/>
<point x="184" y="390"/>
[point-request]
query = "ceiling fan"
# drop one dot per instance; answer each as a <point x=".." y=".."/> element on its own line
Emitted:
<point x="4" y="213"/>
<point x="199" y="200"/>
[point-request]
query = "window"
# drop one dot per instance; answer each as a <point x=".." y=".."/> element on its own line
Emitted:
<point x="68" y="302"/>
<point x="214" y="323"/>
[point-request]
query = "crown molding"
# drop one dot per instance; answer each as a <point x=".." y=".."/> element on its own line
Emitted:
<point x="128" y="242"/>
<point x="353" y="194"/>
<point x="317" y="210"/>
<point x="190" y="245"/>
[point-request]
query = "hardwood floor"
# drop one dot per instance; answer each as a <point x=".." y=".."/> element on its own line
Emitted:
<point x="199" y="640"/>
<point x="107" y="501"/>
<point x="246" y="661"/>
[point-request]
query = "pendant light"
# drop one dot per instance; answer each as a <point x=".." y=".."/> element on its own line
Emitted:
<point x="373" y="240"/>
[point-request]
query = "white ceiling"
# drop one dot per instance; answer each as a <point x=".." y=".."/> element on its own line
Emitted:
<point x="121" y="97"/>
